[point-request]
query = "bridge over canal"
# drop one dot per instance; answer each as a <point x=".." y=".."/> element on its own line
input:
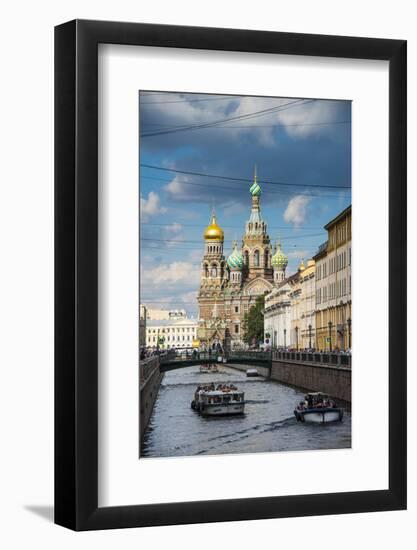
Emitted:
<point x="171" y="361"/>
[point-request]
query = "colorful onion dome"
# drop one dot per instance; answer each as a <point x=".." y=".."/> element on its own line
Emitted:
<point x="213" y="231"/>
<point x="279" y="260"/>
<point x="255" y="189"/>
<point x="235" y="260"/>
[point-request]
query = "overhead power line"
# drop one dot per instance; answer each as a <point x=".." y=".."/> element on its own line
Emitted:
<point x="282" y="125"/>
<point x="203" y="225"/>
<point x="267" y="191"/>
<point x="246" y="116"/>
<point x="246" y="180"/>
<point x="230" y="98"/>
<point x="186" y="241"/>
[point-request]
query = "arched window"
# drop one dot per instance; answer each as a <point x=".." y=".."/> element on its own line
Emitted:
<point x="256" y="258"/>
<point x="206" y="271"/>
<point x="266" y="258"/>
<point x="214" y="270"/>
<point x="246" y="258"/>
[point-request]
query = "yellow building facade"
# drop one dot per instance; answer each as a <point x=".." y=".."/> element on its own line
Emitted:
<point x="302" y="298"/>
<point x="333" y="286"/>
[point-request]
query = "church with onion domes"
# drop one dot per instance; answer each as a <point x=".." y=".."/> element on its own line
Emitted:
<point x="230" y="284"/>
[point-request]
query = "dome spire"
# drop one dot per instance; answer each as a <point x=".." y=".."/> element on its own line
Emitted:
<point x="213" y="230"/>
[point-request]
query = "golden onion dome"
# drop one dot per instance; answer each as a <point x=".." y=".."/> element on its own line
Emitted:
<point x="213" y="231"/>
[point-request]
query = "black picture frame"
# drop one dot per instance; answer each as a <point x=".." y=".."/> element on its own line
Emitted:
<point x="76" y="273"/>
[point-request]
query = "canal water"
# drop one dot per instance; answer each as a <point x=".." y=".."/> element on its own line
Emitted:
<point x="267" y="425"/>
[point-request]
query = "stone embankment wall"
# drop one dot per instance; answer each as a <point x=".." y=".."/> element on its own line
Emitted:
<point x="335" y="381"/>
<point x="263" y="371"/>
<point x="150" y="379"/>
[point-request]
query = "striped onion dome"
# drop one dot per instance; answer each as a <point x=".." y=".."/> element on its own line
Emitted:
<point x="235" y="260"/>
<point x="255" y="188"/>
<point x="279" y="260"/>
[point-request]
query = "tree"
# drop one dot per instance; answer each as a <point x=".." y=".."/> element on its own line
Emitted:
<point x="253" y="322"/>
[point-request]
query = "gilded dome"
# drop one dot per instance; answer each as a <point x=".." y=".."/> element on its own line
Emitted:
<point x="279" y="260"/>
<point x="213" y="231"/>
<point x="235" y="260"/>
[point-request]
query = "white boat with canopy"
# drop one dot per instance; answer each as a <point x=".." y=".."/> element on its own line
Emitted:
<point x="220" y="400"/>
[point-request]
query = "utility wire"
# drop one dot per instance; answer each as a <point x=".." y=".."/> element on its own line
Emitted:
<point x="246" y="116"/>
<point x="186" y="241"/>
<point x="265" y="191"/>
<point x="193" y="100"/>
<point x="203" y="225"/>
<point x="282" y="125"/>
<point x="246" y="180"/>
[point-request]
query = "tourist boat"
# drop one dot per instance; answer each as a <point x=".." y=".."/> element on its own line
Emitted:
<point x="209" y="368"/>
<point x="317" y="407"/>
<point x="220" y="400"/>
<point x="252" y="372"/>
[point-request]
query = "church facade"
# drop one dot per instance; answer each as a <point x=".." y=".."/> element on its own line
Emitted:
<point x="230" y="286"/>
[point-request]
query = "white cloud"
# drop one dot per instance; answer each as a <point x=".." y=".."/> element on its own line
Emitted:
<point x="174" y="273"/>
<point x="298" y="254"/>
<point x="296" y="212"/>
<point x="172" y="234"/>
<point x="151" y="206"/>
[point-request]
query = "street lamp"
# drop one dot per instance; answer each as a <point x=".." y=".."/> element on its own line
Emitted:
<point x="330" y="335"/>
<point x="309" y="336"/>
<point x="285" y="337"/>
<point x="349" y="323"/>
<point x="296" y="337"/>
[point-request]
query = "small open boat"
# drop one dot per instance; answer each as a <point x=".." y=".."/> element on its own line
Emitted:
<point x="318" y="408"/>
<point x="252" y="372"/>
<point x="212" y="367"/>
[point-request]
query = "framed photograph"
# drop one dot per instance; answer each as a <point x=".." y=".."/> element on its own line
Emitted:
<point x="230" y="337"/>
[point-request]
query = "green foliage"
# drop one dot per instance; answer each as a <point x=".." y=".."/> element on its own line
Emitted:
<point x="253" y="322"/>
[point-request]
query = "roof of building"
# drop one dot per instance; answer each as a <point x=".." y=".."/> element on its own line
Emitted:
<point x="171" y="322"/>
<point x="339" y="217"/>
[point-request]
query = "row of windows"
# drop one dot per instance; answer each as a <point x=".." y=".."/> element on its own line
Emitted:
<point x="182" y="338"/>
<point x="338" y="235"/>
<point x="333" y="290"/>
<point x="339" y="262"/>
<point x="154" y="331"/>
<point x="214" y="249"/>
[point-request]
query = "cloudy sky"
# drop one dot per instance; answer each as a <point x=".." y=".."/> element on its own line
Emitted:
<point x="198" y="151"/>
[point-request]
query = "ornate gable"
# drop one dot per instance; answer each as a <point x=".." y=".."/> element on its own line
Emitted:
<point x="257" y="286"/>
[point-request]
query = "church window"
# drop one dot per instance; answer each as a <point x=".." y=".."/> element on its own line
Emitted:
<point x="256" y="258"/>
<point x="236" y="329"/>
<point x="236" y="309"/>
<point x="246" y="258"/>
<point x="213" y="271"/>
<point x="266" y="258"/>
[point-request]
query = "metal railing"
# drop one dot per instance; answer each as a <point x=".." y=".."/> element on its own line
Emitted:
<point x="147" y="367"/>
<point x="250" y="355"/>
<point x="331" y="359"/>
